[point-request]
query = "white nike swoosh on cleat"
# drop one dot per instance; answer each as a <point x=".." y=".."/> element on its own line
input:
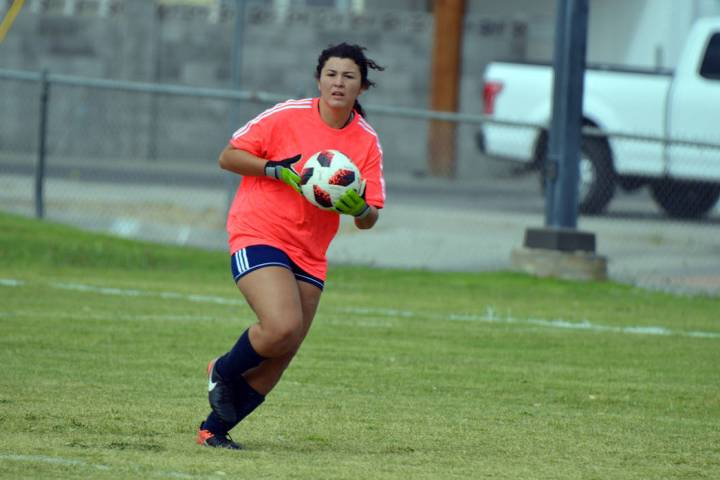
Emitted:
<point x="211" y="385"/>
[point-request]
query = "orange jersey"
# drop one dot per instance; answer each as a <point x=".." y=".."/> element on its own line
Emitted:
<point x="267" y="211"/>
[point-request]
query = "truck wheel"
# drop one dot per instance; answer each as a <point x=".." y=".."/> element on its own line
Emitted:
<point x="597" y="177"/>
<point x="685" y="199"/>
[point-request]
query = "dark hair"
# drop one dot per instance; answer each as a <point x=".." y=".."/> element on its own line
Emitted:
<point x="356" y="54"/>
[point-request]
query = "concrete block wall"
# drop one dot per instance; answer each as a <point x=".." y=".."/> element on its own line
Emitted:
<point x="143" y="42"/>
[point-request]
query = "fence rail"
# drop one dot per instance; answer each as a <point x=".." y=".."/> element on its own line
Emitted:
<point x="137" y="126"/>
<point x="266" y="97"/>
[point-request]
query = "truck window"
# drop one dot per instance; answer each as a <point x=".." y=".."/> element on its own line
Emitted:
<point x="711" y="63"/>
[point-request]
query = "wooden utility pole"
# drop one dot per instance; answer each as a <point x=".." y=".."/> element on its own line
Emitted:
<point x="445" y="83"/>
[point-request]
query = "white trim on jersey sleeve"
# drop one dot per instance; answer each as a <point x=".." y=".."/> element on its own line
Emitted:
<point x="368" y="128"/>
<point x="287" y="105"/>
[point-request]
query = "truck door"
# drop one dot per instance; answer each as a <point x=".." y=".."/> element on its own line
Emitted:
<point x="693" y="113"/>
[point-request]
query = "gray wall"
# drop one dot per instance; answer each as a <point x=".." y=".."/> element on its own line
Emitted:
<point x="191" y="46"/>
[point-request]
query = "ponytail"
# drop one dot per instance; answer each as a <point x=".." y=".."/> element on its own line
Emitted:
<point x="359" y="109"/>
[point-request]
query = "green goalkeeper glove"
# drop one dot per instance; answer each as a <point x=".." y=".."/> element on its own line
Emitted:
<point x="283" y="170"/>
<point x="353" y="203"/>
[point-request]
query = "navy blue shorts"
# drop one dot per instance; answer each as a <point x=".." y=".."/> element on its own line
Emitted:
<point x="253" y="257"/>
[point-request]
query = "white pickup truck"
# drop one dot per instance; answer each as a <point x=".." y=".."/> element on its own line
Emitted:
<point x="657" y="128"/>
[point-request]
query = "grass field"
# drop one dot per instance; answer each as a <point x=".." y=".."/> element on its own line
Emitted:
<point x="406" y="374"/>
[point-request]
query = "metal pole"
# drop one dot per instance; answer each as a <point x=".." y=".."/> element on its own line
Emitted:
<point x="236" y="57"/>
<point x="560" y="249"/>
<point x="154" y="106"/>
<point x="236" y="66"/>
<point x="42" y="142"/>
<point x="563" y="159"/>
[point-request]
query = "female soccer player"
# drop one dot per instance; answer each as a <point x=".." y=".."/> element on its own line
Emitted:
<point x="278" y="239"/>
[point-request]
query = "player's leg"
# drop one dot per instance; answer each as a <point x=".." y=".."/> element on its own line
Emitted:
<point x="273" y="295"/>
<point x="255" y="384"/>
<point x="263" y="276"/>
<point x="285" y="309"/>
<point x="263" y="378"/>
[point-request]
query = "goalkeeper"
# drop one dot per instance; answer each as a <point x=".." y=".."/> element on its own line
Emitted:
<point x="278" y="240"/>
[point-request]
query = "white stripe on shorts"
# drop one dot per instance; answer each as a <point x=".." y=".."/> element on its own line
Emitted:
<point x="310" y="280"/>
<point x="238" y="261"/>
<point x="245" y="259"/>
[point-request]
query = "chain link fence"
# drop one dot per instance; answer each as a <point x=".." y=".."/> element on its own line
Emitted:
<point x="121" y="157"/>
<point x="140" y="159"/>
<point x="599" y="181"/>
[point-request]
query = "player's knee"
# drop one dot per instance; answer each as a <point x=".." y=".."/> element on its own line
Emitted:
<point x="283" y="337"/>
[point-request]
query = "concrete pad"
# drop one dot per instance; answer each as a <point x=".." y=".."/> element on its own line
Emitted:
<point x="577" y="265"/>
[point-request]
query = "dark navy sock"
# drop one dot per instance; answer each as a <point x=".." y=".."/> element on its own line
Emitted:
<point x="214" y="424"/>
<point x="239" y="360"/>
<point x="247" y="399"/>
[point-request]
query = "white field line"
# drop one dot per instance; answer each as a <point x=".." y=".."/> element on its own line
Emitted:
<point x="108" y="316"/>
<point x="124" y="292"/>
<point x="70" y="462"/>
<point x="53" y="460"/>
<point x="490" y="315"/>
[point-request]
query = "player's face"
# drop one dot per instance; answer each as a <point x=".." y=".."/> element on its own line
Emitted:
<point x="340" y="82"/>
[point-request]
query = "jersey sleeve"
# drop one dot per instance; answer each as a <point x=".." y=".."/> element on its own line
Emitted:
<point x="375" y="179"/>
<point x="254" y="136"/>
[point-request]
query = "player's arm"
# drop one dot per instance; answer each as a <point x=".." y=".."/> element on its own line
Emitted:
<point x="247" y="164"/>
<point x="369" y="220"/>
<point x="353" y="203"/>
<point x="241" y="162"/>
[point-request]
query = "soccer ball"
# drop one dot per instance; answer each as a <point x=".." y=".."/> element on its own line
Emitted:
<point x="326" y="176"/>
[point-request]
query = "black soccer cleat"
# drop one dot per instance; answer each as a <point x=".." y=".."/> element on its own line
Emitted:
<point x="221" y="396"/>
<point x="208" y="439"/>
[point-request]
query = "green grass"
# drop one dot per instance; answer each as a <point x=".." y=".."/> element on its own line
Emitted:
<point x="405" y="374"/>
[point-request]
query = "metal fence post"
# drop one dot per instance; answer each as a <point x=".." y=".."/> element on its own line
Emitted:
<point x="42" y="142"/>
<point x="236" y="67"/>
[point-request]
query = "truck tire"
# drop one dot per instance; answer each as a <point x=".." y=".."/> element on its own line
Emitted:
<point x="597" y="176"/>
<point x="682" y="199"/>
